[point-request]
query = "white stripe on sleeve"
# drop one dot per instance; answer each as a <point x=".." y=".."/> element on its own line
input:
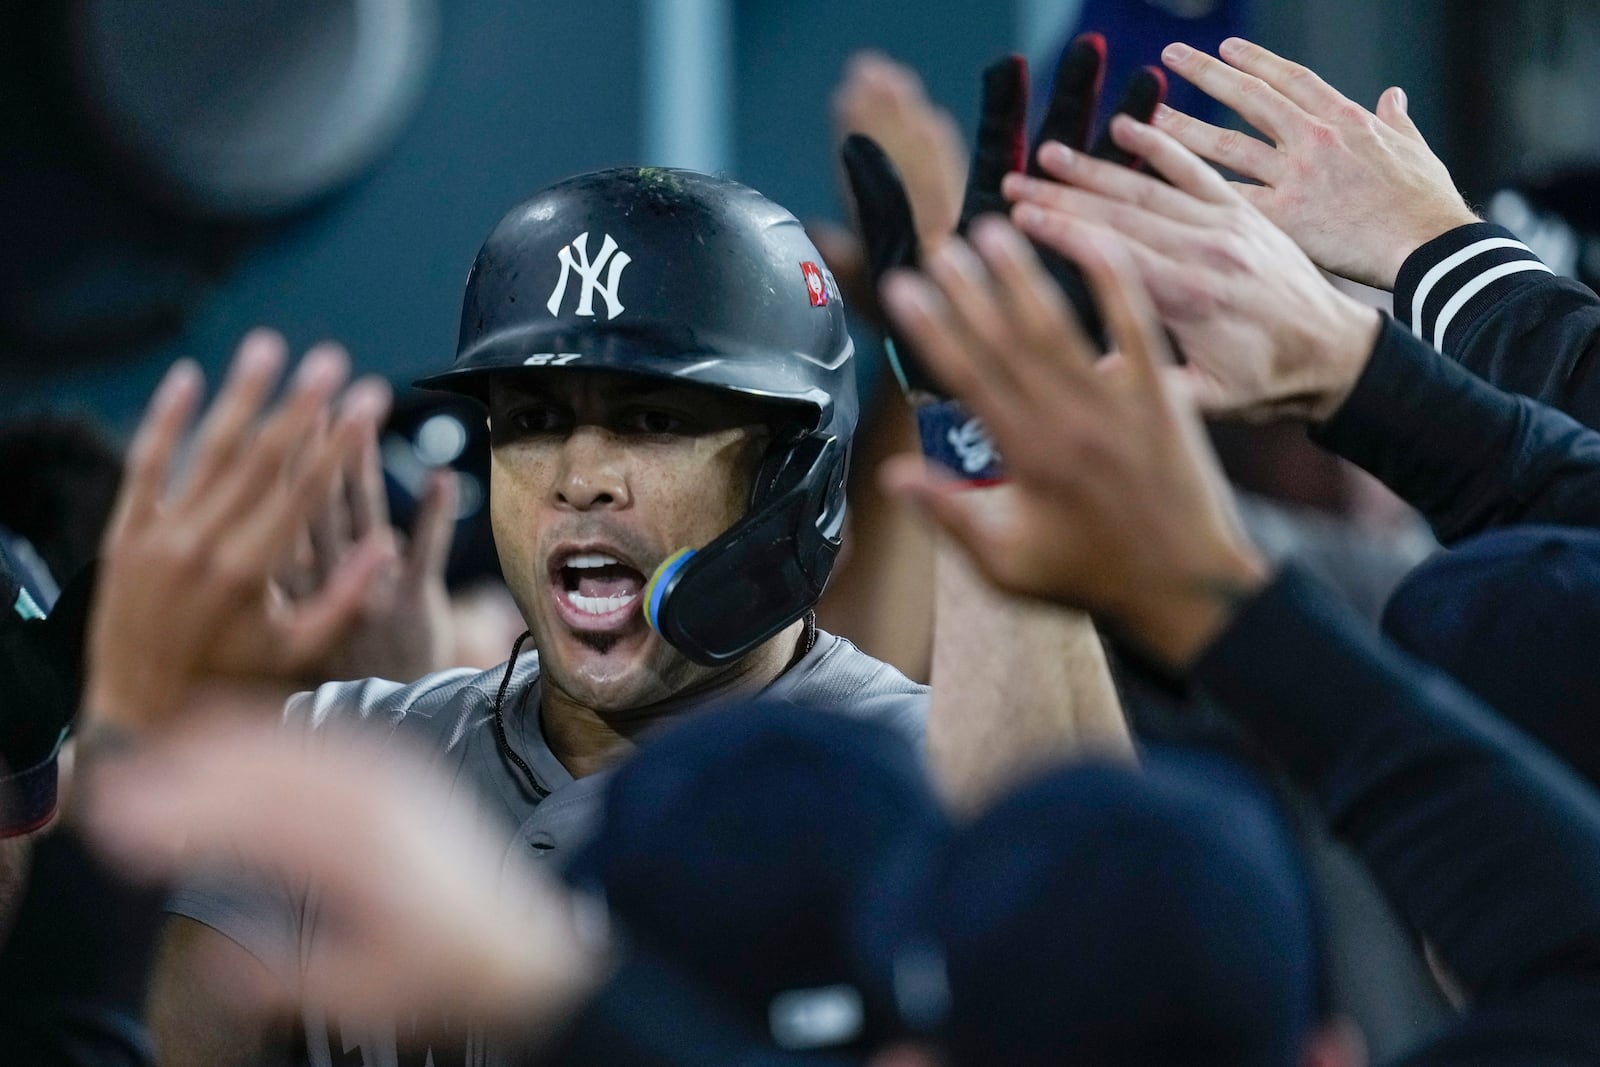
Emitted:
<point x="1450" y="263"/>
<point x="1476" y="286"/>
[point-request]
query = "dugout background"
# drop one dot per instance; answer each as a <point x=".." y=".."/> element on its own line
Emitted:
<point x="520" y="93"/>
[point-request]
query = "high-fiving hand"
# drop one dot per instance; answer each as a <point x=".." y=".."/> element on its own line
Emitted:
<point x="1358" y="191"/>
<point x="1118" y="505"/>
<point x="186" y="586"/>
<point x="1264" y="333"/>
<point x="406" y="628"/>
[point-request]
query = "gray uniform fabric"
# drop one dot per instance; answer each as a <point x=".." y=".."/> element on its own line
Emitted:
<point x="449" y="715"/>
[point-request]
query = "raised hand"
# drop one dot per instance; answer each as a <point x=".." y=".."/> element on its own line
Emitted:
<point x="892" y="231"/>
<point x="885" y="101"/>
<point x="1358" y="191"/>
<point x="405" y="866"/>
<point x="1263" y="332"/>
<point x="406" y="628"/>
<point x="1117" y="504"/>
<point x="186" y="582"/>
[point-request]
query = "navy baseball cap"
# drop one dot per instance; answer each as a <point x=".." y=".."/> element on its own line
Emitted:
<point x="1109" y="915"/>
<point x="736" y="844"/>
<point x="1514" y="616"/>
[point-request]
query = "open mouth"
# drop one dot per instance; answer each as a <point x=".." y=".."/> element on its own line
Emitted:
<point x="596" y="590"/>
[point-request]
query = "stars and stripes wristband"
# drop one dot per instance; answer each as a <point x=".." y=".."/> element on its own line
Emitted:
<point x="950" y="435"/>
<point x="956" y="439"/>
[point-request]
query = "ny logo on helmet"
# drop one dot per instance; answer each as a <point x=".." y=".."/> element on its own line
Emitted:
<point x="589" y="274"/>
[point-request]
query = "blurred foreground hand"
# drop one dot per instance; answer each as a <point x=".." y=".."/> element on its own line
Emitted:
<point x="405" y="868"/>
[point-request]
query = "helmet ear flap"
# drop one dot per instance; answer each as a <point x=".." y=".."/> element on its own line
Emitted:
<point x="717" y="603"/>
<point x="780" y="452"/>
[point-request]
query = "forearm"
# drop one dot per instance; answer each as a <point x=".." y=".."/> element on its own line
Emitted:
<point x="1017" y="685"/>
<point x="1484" y="299"/>
<point x="1467" y="455"/>
<point x="1485" y="843"/>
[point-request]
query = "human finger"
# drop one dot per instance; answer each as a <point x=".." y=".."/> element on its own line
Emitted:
<point x="149" y="462"/>
<point x="1130" y="315"/>
<point x="1034" y="303"/>
<point x="363" y="407"/>
<point x="1299" y="84"/>
<point x="227" y="425"/>
<point x="1119" y="183"/>
<point x="1234" y="149"/>
<point x="1068" y="206"/>
<point x="920" y="311"/>
<point x="326" y="618"/>
<point x="1261" y="105"/>
<point x="1071" y="236"/>
<point x="970" y="294"/>
<point x="258" y="478"/>
<point x="1008" y="369"/>
<point x="368" y="501"/>
<point x="330" y="526"/>
<point x="1164" y="155"/>
<point x="1208" y="394"/>
<point x="429" y="549"/>
<point x="1144" y="93"/>
<point x="1394" y="111"/>
<point x="959" y="513"/>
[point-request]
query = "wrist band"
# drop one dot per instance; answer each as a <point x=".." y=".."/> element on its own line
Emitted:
<point x="959" y="441"/>
<point x="102" y="739"/>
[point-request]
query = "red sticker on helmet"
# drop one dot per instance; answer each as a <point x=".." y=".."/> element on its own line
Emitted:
<point x="816" y="288"/>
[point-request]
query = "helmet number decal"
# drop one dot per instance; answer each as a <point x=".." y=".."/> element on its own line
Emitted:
<point x="612" y="260"/>
<point x="551" y="359"/>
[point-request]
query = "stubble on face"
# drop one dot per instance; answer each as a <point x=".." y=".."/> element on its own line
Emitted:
<point x="598" y="486"/>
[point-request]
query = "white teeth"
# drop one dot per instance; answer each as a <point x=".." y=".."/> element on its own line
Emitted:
<point x="600" y="605"/>
<point x="586" y="560"/>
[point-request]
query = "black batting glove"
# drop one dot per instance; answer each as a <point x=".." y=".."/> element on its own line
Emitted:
<point x="888" y="229"/>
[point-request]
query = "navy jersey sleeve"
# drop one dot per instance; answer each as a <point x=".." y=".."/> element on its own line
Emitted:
<point x="1467" y="455"/>
<point x="1483" y="298"/>
<point x="1486" y="844"/>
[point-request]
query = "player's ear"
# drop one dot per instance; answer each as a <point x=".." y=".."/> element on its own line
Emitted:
<point x="1337" y="1043"/>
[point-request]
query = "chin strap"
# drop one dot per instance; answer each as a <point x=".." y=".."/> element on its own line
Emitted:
<point x="500" y="739"/>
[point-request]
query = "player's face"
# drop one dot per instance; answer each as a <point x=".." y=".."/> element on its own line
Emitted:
<point x="596" y="478"/>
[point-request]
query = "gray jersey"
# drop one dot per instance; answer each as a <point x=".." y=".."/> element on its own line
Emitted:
<point x="450" y="715"/>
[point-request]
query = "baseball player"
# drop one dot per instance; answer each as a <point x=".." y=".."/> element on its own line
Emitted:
<point x="671" y="398"/>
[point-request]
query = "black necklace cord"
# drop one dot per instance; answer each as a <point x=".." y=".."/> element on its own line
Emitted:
<point x="500" y="738"/>
<point x="808" y="640"/>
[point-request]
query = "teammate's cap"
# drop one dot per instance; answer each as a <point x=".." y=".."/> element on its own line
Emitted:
<point x="1514" y="616"/>
<point x="735" y="844"/>
<point x="1106" y="915"/>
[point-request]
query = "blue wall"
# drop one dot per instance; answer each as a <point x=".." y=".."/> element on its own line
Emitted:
<point x="523" y="93"/>
<point x="526" y="91"/>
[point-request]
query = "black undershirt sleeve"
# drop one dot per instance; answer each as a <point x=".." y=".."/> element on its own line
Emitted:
<point x="1484" y="842"/>
<point x="1467" y="455"/>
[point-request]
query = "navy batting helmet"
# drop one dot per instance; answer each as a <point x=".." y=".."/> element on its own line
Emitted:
<point x="678" y="275"/>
